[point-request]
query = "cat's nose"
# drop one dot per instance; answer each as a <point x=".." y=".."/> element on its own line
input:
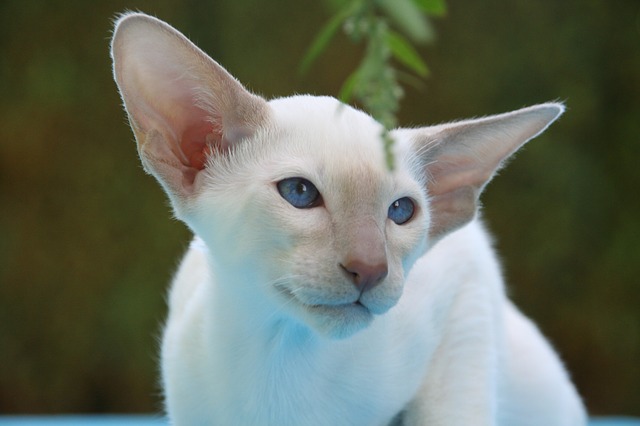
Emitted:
<point x="365" y="276"/>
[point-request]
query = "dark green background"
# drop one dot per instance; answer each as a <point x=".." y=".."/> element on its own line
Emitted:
<point x="87" y="242"/>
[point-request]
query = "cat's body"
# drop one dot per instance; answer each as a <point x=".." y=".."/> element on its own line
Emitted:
<point x="323" y="288"/>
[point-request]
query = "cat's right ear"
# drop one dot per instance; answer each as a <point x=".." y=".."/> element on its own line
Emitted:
<point x="458" y="159"/>
<point x="181" y="104"/>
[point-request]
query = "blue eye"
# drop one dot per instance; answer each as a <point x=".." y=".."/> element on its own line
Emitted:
<point x="299" y="192"/>
<point x="401" y="210"/>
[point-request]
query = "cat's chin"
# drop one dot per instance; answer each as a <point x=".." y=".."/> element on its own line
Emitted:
<point x="340" y="321"/>
<point x="332" y="321"/>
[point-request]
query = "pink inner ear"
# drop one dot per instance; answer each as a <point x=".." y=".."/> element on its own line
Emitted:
<point x="198" y="141"/>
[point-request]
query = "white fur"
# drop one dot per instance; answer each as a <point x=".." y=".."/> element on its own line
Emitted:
<point x="262" y="326"/>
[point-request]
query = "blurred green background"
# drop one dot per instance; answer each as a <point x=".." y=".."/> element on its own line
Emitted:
<point x="88" y="244"/>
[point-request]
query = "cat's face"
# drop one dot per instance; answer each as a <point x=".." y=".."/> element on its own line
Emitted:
<point x="293" y="196"/>
<point x="308" y="213"/>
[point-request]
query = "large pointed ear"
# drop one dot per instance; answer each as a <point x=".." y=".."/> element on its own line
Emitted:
<point x="460" y="158"/>
<point x="182" y="105"/>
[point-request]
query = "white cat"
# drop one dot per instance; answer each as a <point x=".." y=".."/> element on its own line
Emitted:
<point x="323" y="288"/>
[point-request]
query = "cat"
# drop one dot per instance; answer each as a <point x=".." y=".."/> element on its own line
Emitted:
<point x="322" y="287"/>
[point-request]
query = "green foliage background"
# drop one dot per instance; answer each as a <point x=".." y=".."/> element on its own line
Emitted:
<point x="87" y="243"/>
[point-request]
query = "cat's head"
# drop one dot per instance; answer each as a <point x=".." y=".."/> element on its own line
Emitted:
<point x="293" y="196"/>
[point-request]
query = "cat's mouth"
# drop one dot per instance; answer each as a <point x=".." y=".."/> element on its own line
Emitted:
<point x="337" y="320"/>
<point x="353" y="305"/>
<point x="292" y="298"/>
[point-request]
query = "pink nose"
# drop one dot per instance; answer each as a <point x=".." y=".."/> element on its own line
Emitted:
<point x="365" y="276"/>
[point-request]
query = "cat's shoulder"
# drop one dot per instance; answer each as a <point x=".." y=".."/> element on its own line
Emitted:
<point x="472" y="246"/>
<point x="191" y="274"/>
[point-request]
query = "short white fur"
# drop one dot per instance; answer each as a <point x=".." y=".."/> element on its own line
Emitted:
<point x="333" y="314"/>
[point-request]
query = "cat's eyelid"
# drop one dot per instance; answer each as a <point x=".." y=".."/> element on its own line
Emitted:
<point x="404" y="185"/>
<point x="297" y="171"/>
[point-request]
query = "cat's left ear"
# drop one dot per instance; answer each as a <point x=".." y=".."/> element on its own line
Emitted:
<point x="182" y="105"/>
<point x="460" y="158"/>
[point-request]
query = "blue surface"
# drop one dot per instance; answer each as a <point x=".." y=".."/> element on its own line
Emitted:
<point x="76" y="420"/>
<point x="142" y="420"/>
<point x="614" y="421"/>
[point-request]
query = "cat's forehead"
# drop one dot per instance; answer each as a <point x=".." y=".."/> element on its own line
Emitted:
<point x="323" y="132"/>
